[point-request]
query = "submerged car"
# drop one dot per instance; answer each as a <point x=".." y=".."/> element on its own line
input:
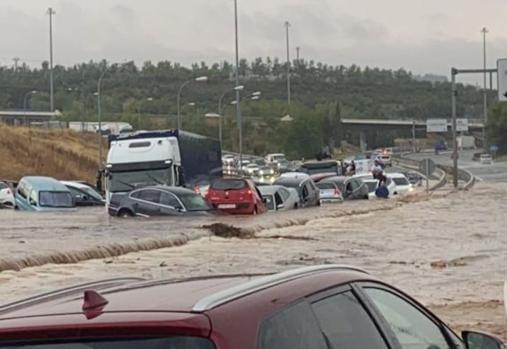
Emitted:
<point x="235" y="196"/>
<point x="279" y="198"/>
<point x="158" y="201"/>
<point x="309" y="194"/>
<point x="83" y="194"/>
<point x="42" y="194"/>
<point x="317" y="307"/>
<point x="352" y="188"/>
<point x="6" y="195"/>
<point x="329" y="192"/>
<point x="401" y="182"/>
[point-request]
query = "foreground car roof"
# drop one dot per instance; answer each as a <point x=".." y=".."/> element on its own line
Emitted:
<point x="193" y="295"/>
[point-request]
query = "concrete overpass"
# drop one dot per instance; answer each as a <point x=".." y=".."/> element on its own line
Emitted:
<point x="21" y="117"/>
<point x="382" y="132"/>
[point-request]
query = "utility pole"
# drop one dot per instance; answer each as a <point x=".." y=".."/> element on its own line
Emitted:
<point x="287" y="25"/>
<point x="297" y="53"/>
<point x="414" y="148"/>
<point x="484" y="91"/>
<point x="16" y="60"/>
<point x="51" y="12"/>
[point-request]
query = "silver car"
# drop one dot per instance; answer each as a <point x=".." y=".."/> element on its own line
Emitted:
<point x="279" y="198"/>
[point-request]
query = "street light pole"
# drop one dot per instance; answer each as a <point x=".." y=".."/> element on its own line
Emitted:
<point x="485" y="93"/>
<point x="25" y="101"/>
<point x="287" y="25"/>
<point x="178" y="97"/>
<point x="99" y="113"/>
<point x="238" y="108"/>
<point x="51" y="12"/>
<point x="454" y="72"/>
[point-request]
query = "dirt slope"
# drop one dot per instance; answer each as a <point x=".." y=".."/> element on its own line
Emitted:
<point x="63" y="154"/>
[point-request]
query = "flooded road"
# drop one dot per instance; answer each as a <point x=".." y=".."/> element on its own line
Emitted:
<point x="448" y="252"/>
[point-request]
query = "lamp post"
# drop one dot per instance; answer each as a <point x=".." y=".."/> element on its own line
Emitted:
<point x="198" y="79"/>
<point x="219" y="118"/>
<point x="255" y="96"/>
<point x="149" y="99"/>
<point x="51" y="13"/>
<point x="29" y="93"/>
<point x="484" y="31"/>
<point x="238" y="110"/>
<point x="235" y="88"/>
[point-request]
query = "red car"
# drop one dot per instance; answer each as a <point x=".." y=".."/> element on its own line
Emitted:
<point x="235" y="196"/>
<point x="318" y="307"/>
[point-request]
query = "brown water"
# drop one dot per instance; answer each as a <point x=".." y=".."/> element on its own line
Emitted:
<point x="463" y="235"/>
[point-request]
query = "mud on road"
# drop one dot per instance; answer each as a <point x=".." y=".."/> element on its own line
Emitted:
<point x="448" y="252"/>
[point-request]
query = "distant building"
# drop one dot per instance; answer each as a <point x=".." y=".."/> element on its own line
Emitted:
<point x="433" y="78"/>
<point x="21" y="117"/>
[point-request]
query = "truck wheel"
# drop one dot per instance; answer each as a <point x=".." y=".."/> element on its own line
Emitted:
<point x="124" y="213"/>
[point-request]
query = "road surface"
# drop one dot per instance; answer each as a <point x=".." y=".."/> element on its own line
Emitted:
<point x="496" y="172"/>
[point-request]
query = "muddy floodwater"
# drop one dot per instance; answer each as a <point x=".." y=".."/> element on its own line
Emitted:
<point x="447" y="251"/>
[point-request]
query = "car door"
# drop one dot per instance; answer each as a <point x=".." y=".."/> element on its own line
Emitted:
<point x="345" y="322"/>
<point x="170" y="205"/>
<point x="412" y="325"/>
<point x="314" y="193"/>
<point x="356" y="189"/>
<point x="146" y="202"/>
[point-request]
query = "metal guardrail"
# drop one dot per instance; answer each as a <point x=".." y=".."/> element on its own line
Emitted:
<point x="463" y="175"/>
<point x="415" y="166"/>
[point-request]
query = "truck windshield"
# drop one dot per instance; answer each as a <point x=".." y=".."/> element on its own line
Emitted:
<point x="130" y="180"/>
<point x="55" y="199"/>
<point x="149" y="343"/>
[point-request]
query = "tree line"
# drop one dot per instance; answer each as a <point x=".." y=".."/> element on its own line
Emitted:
<point x="145" y="96"/>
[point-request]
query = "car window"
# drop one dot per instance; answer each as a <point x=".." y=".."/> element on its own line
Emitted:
<point x="400" y="181"/>
<point x="346" y="323"/>
<point x="412" y="327"/>
<point x="270" y="203"/>
<point x="305" y="192"/>
<point x="293" y="328"/>
<point x="3" y="186"/>
<point x="325" y="186"/>
<point x="228" y="184"/>
<point x="22" y="190"/>
<point x="194" y="202"/>
<point x="278" y="199"/>
<point x="284" y="194"/>
<point x="150" y="195"/>
<point x="168" y="199"/>
<point x="355" y="184"/>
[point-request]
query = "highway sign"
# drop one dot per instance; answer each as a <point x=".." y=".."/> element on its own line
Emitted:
<point x="502" y="79"/>
<point x="436" y="125"/>
<point x="427" y="167"/>
<point x="462" y="125"/>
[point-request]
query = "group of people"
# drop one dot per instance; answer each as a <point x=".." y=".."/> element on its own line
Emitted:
<point x="377" y="172"/>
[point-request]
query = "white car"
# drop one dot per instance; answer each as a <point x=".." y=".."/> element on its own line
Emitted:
<point x="401" y="182"/>
<point x="391" y="186"/>
<point x="295" y="175"/>
<point x="6" y="195"/>
<point x="486" y="159"/>
<point x="277" y="157"/>
<point x="385" y="159"/>
<point x="250" y="169"/>
<point x="279" y="198"/>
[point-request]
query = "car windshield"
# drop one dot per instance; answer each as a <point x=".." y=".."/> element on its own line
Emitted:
<point x="149" y="343"/>
<point x="92" y="193"/>
<point x="55" y="199"/>
<point x="194" y="202"/>
<point x="400" y="181"/>
<point x="325" y="186"/>
<point x="129" y="180"/>
<point x="228" y="184"/>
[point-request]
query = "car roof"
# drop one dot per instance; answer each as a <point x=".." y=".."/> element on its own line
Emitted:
<point x="174" y="190"/>
<point x="75" y="184"/>
<point x="44" y="183"/>
<point x="270" y="189"/>
<point x="395" y="175"/>
<point x="293" y="180"/>
<point x="341" y="179"/>
<point x="192" y="295"/>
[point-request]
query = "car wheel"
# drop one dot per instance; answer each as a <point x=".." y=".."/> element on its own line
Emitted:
<point x="124" y="213"/>
<point x="255" y="211"/>
<point x="366" y="197"/>
<point x="296" y="206"/>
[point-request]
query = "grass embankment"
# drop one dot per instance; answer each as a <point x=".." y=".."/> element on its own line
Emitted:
<point x="62" y="154"/>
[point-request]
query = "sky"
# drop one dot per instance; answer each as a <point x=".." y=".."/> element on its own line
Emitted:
<point x="423" y="36"/>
